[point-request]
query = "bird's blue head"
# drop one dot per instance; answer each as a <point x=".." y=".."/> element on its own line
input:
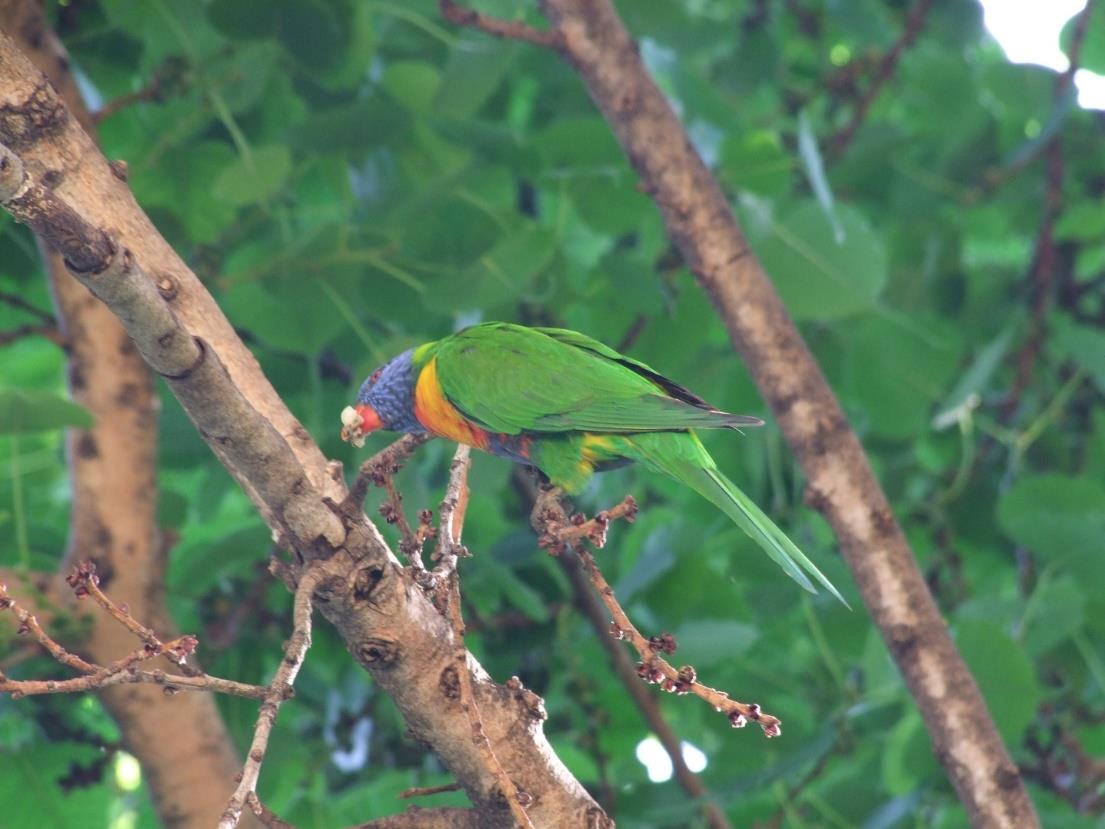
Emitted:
<point x="385" y="401"/>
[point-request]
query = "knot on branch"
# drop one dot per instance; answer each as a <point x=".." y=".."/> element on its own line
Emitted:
<point x="532" y="704"/>
<point x="378" y="652"/>
<point x="43" y="114"/>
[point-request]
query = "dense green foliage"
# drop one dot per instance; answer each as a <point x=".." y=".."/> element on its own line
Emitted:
<point x="352" y="178"/>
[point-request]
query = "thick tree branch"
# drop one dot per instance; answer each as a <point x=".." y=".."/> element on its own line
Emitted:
<point x="840" y="482"/>
<point x="387" y="621"/>
<point x="418" y="818"/>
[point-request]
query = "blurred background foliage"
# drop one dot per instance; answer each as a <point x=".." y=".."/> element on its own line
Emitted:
<point x="351" y="178"/>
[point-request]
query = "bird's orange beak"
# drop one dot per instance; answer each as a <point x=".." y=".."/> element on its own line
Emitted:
<point x="358" y="421"/>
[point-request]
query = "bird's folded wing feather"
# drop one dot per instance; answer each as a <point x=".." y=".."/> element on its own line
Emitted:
<point x="511" y="379"/>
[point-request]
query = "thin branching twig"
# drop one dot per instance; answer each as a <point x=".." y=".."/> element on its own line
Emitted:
<point x="123" y="671"/>
<point x="295" y="651"/>
<point x="449" y="550"/>
<point x="509" y="29"/>
<point x="556" y="528"/>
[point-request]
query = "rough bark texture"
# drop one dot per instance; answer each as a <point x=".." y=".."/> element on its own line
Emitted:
<point x="387" y="621"/>
<point x="841" y="485"/>
<point x="113" y="515"/>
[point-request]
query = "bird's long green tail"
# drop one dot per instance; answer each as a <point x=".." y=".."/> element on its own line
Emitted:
<point x="696" y="469"/>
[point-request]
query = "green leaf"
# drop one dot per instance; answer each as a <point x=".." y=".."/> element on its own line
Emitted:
<point x="254" y="180"/>
<point x="32" y="796"/>
<point x="977" y="376"/>
<point x="476" y="67"/>
<point x="1082" y="222"/>
<point x="1004" y="674"/>
<point x="707" y="642"/>
<point x="25" y="411"/>
<point x="1092" y="54"/>
<point x="413" y="84"/>
<point x="819" y="277"/>
<point x="1057" y="517"/>
<point x="1081" y="344"/>
<point x="498" y="276"/>
<point x="289" y="313"/>
<point x="907" y="755"/>
<point x="897" y="368"/>
<point x="515" y="591"/>
<point x="1058" y="611"/>
<point x="756" y="162"/>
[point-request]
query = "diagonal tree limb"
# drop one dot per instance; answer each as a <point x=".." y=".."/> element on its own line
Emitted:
<point x="112" y="476"/>
<point x="388" y="623"/>
<point x="841" y="485"/>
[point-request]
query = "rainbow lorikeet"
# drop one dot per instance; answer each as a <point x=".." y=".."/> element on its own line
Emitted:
<point x="568" y="405"/>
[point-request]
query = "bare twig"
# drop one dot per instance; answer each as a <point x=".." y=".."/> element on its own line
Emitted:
<point x="49" y="332"/>
<point x="449" y="549"/>
<point x="644" y="700"/>
<point x="509" y="29"/>
<point x="264" y="814"/>
<point x="1045" y="259"/>
<point x="555" y="528"/>
<point x="154" y="91"/>
<point x="171" y="683"/>
<point x="294" y="653"/>
<point x="424" y="791"/>
<point x="914" y="23"/>
<point x="84" y="581"/>
<point x="380" y="470"/>
<point x="557" y="536"/>
<point x="17" y="301"/>
<point x="122" y="671"/>
<point x="515" y="799"/>
<point x="29" y="624"/>
<point x="453" y="508"/>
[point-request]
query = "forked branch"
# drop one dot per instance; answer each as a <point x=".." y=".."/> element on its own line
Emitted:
<point x="558" y="530"/>
<point x="122" y="671"/>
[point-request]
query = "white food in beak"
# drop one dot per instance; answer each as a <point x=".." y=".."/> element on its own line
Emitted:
<point x="352" y="422"/>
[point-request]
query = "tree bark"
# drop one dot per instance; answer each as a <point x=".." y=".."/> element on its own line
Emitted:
<point x="112" y="469"/>
<point x="388" y="623"/>
<point x="841" y="485"/>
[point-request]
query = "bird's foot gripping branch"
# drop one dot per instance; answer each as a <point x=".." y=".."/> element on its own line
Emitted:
<point x="558" y="531"/>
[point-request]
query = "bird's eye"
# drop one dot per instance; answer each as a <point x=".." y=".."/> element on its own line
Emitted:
<point x="375" y="376"/>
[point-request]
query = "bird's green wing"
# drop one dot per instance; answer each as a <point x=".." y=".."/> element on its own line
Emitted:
<point x="512" y="379"/>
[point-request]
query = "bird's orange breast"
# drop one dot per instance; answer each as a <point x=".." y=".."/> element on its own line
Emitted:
<point x="438" y="415"/>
